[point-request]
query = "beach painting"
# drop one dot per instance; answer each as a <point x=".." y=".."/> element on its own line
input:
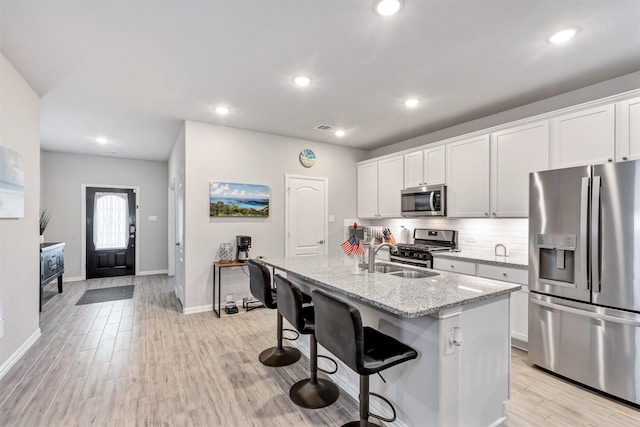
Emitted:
<point x="11" y="183"/>
<point x="235" y="199"/>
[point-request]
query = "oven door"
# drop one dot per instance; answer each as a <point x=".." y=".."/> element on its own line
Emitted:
<point x="424" y="201"/>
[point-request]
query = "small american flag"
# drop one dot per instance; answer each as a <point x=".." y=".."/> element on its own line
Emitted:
<point x="352" y="246"/>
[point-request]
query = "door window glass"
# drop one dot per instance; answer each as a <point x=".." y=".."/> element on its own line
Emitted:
<point x="110" y="221"/>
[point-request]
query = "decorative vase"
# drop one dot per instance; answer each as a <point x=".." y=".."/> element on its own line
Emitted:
<point x="355" y="261"/>
<point x="42" y="238"/>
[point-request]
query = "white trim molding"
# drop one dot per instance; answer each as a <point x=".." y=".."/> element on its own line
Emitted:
<point x="151" y="272"/>
<point x="13" y="359"/>
<point x="197" y="309"/>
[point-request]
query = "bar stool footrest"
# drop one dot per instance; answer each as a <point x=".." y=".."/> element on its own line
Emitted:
<point x="385" y="400"/>
<point x="330" y="359"/>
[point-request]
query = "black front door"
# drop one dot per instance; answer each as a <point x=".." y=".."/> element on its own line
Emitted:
<point x="111" y="232"/>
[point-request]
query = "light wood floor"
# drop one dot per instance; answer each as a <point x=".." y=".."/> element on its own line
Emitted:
<point x="140" y="362"/>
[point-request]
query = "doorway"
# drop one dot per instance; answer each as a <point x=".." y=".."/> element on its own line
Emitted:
<point x="306" y="215"/>
<point x="110" y="231"/>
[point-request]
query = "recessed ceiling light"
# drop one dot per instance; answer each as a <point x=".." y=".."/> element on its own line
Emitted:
<point x="387" y="7"/>
<point x="412" y="102"/>
<point x="101" y="140"/>
<point x="340" y="133"/>
<point x="563" y="36"/>
<point x="222" y="110"/>
<point x="302" y="81"/>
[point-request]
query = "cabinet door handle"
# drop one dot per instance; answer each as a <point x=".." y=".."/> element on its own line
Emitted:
<point x="504" y="274"/>
<point x="609" y="160"/>
<point x="453" y="266"/>
<point x="486" y="214"/>
<point x="321" y="242"/>
<point x="625" y="158"/>
<point x="494" y="214"/>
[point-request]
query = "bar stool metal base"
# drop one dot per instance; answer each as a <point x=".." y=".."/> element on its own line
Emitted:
<point x="314" y="395"/>
<point x="276" y="357"/>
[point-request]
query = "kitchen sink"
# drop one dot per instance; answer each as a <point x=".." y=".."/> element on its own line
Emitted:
<point x="413" y="274"/>
<point x="386" y="268"/>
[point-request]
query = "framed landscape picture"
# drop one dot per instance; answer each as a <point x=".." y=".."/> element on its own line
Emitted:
<point x="235" y="199"/>
<point x="11" y="183"/>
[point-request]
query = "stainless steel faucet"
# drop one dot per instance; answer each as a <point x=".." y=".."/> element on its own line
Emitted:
<point x="504" y="250"/>
<point x="373" y="250"/>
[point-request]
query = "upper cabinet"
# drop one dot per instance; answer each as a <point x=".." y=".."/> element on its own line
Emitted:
<point x="628" y="130"/>
<point x="379" y="186"/>
<point x="368" y="190"/>
<point x="425" y="167"/>
<point x="515" y="153"/>
<point x="468" y="178"/>
<point x="390" y="180"/>
<point x="582" y="138"/>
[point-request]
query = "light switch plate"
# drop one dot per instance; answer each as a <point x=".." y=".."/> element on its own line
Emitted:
<point x="332" y="218"/>
<point x="153" y="218"/>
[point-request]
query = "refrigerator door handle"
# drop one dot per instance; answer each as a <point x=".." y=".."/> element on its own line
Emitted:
<point x="595" y="234"/>
<point x="584" y="215"/>
<point x="585" y="313"/>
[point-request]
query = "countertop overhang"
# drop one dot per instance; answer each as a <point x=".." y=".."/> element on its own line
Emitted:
<point x="407" y="298"/>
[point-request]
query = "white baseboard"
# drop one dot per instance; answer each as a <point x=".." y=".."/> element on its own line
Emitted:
<point x="4" y="368"/>
<point x="72" y="279"/>
<point x="197" y="309"/>
<point x="150" y="272"/>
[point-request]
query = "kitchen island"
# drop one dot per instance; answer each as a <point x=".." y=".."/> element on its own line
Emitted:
<point x="461" y="383"/>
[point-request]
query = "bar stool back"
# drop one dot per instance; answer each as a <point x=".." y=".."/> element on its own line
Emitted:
<point x="338" y="327"/>
<point x="260" y="285"/>
<point x="313" y="392"/>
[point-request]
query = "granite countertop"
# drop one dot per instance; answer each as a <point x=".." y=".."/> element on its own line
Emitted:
<point x="408" y="298"/>
<point x="503" y="261"/>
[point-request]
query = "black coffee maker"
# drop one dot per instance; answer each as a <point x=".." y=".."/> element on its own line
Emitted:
<point x="243" y="244"/>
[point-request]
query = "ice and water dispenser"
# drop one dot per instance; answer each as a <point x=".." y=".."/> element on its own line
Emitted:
<point x="557" y="258"/>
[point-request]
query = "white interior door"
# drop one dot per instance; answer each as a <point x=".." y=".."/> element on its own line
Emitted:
<point x="306" y="219"/>
<point x="179" y="217"/>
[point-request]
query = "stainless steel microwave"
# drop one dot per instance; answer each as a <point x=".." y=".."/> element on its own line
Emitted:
<point x="424" y="201"/>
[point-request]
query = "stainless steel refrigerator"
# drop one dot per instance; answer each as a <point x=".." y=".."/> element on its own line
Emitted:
<point x="584" y="275"/>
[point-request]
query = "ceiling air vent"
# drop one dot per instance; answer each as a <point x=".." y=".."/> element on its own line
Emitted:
<point x="325" y="128"/>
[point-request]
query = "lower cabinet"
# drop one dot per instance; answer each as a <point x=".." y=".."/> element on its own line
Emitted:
<point x="519" y="303"/>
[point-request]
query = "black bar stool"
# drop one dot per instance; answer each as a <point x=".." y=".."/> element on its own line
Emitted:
<point x="260" y="284"/>
<point x="314" y="392"/>
<point x="365" y="350"/>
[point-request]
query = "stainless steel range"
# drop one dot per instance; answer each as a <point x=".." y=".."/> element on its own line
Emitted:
<point x="425" y="242"/>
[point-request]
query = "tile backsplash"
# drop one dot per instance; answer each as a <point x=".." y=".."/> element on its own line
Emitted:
<point x="475" y="236"/>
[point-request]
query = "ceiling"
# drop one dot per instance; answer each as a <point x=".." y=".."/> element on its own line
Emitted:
<point x="132" y="71"/>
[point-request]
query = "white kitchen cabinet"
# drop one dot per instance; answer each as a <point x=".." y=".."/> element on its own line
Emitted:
<point x="628" y="130"/>
<point x="435" y="165"/>
<point x="519" y="301"/>
<point x="583" y="138"/>
<point x="455" y="266"/>
<point x="468" y="181"/>
<point x="413" y="166"/>
<point x="379" y="186"/>
<point x="390" y="184"/>
<point x="515" y="153"/>
<point x="368" y="190"/>
<point x="425" y="167"/>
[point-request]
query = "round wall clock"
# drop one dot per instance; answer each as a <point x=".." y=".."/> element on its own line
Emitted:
<point x="307" y="158"/>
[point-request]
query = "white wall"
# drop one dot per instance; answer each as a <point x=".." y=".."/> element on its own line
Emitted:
<point x="63" y="176"/>
<point x="19" y="238"/>
<point x="589" y="93"/>
<point x="234" y="155"/>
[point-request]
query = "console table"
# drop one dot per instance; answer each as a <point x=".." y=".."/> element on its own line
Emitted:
<point x="217" y="268"/>
<point x="51" y="265"/>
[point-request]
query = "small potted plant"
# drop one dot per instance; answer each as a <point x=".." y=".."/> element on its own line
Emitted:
<point x="44" y="221"/>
